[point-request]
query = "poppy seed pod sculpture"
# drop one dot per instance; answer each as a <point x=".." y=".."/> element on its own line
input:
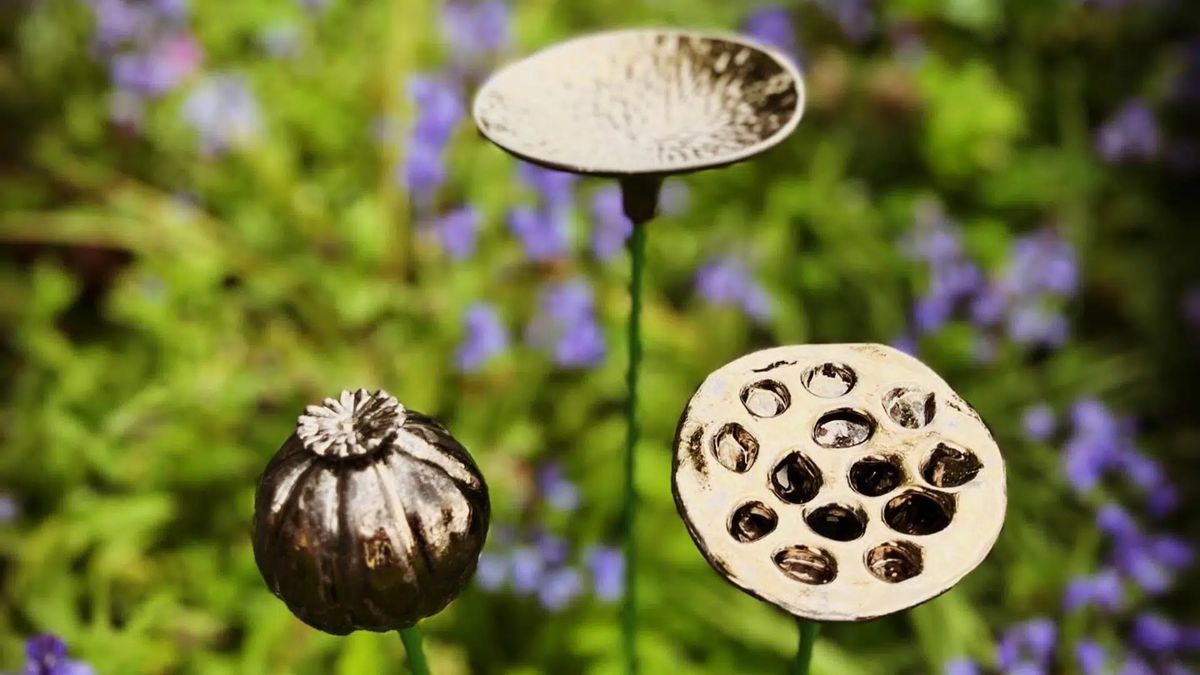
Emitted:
<point x="839" y="482"/>
<point x="370" y="516"/>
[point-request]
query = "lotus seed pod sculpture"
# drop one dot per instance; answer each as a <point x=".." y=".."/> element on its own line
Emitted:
<point x="840" y="482"/>
<point x="371" y="516"/>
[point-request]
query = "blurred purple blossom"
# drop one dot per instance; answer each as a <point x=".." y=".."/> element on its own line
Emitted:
<point x="1091" y="657"/>
<point x="475" y="29"/>
<point x="607" y="568"/>
<point x="456" y="230"/>
<point x="961" y="667"/>
<point x="491" y="572"/>
<point x="10" y="509"/>
<point x="422" y="173"/>
<point x="1131" y="133"/>
<point x="610" y="227"/>
<point x="772" y="25"/>
<point x="566" y="326"/>
<point x="159" y="69"/>
<point x="1028" y="643"/>
<point x="1042" y="262"/>
<point x="560" y="587"/>
<point x="555" y="489"/>
<point x="224" y="113"/>
<point x="553" y="549"/>
<point x="527" y="570"/>
<point x="726" y="281"/>
<point x="855" y="17"/>
<point x="555" y="188"/>
<point x="1103" y="589"/>
<point x="46" y="654"/>
<point x="1039" y="422"/>
<point x="485" y="337"/>
<point x="439" y="107"/>
<point x="1036" y="325"/>
<point x="542" y="233"/>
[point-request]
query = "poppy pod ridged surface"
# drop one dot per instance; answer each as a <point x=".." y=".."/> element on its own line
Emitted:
<point x="840" y="482"/>
<point x="370" y="517"/>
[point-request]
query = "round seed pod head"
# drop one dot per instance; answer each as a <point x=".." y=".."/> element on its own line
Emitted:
<point x="642" y="102"/>
<point x="840" y="482"/>
<point x="370" y="516"/>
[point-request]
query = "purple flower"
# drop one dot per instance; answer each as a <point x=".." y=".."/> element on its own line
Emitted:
<point x="1117" y="523"/>
<point x="1155" y="634"/>
<point x="119" y="21"/>
<point x="961" y="667"/>
<point x="1030" y="642"/>
<point x="1103" y="589"/>
<point x="160" y="69"/>
<point x="422" y="173"/>
<point x="611" y="229"/>
<point x="542" y="233"/>
<point x="475" y="29"/>
<point x="491" y="572"/>
<point x="555" y="188"/>
<point x="1131" y="133"/>
<point x="485" y="337"/>
<point x="1038" y="422"/>
<point x="553" y="549"/>
<point x="725" y="281"/>
<point x="854" y="16"/>
<point x="560" y="588"/>
<point x="10" y="509"/>
<point x="457" y="230"/>
<point x="1035" y="325"/>
<point x="439" y="109"/>
<point x="565" y="325"/>
<point x="223" y="112"/>
<point x="527" y="569"/>
<point x="906" y="343"/>
<point x="772" y="25"/>
<point x="1042" y="262"/>
<point x="1091" y="657"/>
<point x="558" y="492"/>
<point x="47" y="655"/>
<point x="607" y="567"/>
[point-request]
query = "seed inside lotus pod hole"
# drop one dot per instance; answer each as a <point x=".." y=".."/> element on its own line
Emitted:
<point x="949" y="467"/>
<point x="767" y="398"/>
<point x="735" y="448"/>
<point x="919" y="512"/>
<point x="829" y="380"/>
<point x="838" y="522"/>
<point x="895" y="561"/>
<point x="843" y="428"/>
<point x="752" y="521"/>
<point x="807" y="564"/>
<point x="796" y="479"/>
<point x="910" y="407"/>
<point x="875" y="476"/>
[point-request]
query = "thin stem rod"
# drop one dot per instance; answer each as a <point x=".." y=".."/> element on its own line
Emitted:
<point x="637" y="251"/>
<point x="804" y="650"/>
<point x="411" y="637"/>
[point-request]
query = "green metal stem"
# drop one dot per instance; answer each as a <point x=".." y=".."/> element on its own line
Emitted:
<point x="804" y="650"/>
<point x="637" y="252"/>
<point x="411" y="637"/>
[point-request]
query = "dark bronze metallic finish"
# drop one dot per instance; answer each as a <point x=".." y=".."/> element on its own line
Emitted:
<point x="642" y="102"/>
<point x="370" y="516"/>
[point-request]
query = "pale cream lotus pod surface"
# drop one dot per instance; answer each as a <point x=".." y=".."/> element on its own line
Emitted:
<point x="841" y="482"/>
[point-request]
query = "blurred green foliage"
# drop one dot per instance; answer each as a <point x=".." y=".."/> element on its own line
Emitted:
<point x="166" y="315"/>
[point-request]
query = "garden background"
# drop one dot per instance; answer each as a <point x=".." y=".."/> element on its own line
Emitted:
<point x="213" y="213"/>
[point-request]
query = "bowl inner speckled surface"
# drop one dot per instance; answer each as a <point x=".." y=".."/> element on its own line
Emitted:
<point x="642" y="101"/>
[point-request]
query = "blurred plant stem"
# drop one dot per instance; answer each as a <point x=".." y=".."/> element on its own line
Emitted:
<point x="411" y="637"/>
<point x="804" y="650"/>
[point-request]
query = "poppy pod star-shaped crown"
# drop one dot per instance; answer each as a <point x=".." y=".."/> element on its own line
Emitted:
<point x="840" y="482"/>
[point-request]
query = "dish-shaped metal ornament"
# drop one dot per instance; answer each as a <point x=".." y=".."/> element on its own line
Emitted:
<point x="642" y="101"/>
<point x="371" y="516"/>
<point x="840" y="482"/>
